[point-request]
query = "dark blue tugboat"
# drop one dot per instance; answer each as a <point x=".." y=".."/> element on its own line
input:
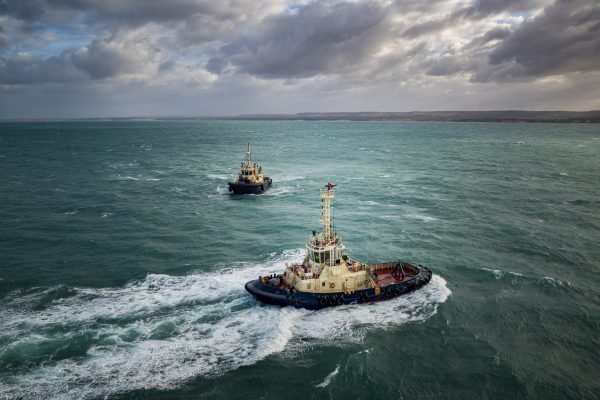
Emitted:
<point x="328" y="277"/>
<point x="250" y="180"/>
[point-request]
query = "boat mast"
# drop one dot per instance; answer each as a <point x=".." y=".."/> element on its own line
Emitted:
<point x="328" y="230"/>
<point x="249" y="155"/>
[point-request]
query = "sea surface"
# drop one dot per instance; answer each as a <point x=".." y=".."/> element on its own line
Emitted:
<point x="123" y="259"/>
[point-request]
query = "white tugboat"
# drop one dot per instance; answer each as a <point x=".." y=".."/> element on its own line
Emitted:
<point x="250" y="180"/>
<point x="328" y="277"/>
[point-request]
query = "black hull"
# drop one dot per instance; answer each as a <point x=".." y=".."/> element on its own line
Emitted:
<point x="315" y="301"/>
<point x="250" y="188"/>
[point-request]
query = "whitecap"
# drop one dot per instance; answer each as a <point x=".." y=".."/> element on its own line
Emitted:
<point x="554" y="282"/>
<point x="289" y="178"/>
<point x="221" y="190"/>
<point x="329" y="377"/>
<point x="127" y="178"/>
<point x="422" y="217"/>
<point x="218" y="177"/>
<point x="370" y="203"/>
<point x="496" y="272"/>
<point x="279" y="190"/>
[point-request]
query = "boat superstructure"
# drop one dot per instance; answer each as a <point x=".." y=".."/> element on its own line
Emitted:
<point x="327" y="276"/>
<point x="250" y="179"/>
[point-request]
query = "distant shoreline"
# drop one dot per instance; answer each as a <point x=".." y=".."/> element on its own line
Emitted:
<point x="412" y="116"/>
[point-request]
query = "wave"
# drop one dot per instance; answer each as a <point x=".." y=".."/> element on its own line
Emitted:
<point x="329" y="377"/>
<point x="279" y="190"/>
<point x="218" y="177"/>
<point x="369" y="203"/>
<point x="544" y="281"/>
<point x="421" y="217"/>
<point x="127" y="178"/>
<point x="499" y="274"/>
<point x="133" y="178"/>
<point x="553" y="282"/>
<point x="221" y="190"/>
<point x="496" y="272"/>
<point x="289" y="178"/>
<point x="163" y="330"/>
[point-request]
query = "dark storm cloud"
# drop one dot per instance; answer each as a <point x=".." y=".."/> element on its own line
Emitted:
<point x="447" y="65"/>
<point x="23" y="9"/>
<point x="319" y="38"/>
<point x="101" y="60"/>
<point x="563" y="39"/>
<point x="133" y="11"/>
<point x="28" y="69"/>
<point x="495" y="34"/>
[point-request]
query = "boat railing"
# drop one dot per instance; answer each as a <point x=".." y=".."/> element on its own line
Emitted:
<point x="405" y="268"/>
<point x="380" y="266"/>
<point x="303" y="274"/>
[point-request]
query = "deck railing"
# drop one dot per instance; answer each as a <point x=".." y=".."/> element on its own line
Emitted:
<point x="407" y="268"/>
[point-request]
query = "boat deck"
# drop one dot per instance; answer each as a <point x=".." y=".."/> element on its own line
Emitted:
<point x="390" y="273"/>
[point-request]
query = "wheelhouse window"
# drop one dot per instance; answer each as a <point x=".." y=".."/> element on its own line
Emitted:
<point x="319" y="256"/>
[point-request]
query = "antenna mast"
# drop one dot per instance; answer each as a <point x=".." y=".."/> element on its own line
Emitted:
<point x="326" y="196"/>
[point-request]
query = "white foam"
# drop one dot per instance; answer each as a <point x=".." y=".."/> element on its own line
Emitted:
<point x="554" y="282"/>
<point x="422" y="217"/>
<point x="289" y="178"/>
<point x="218" y="177"/>
<point x="329" y="377"/>
<point x="279" y="190"/>
<point x="163" y="330"/>
<point x="370" y="203"/>
<point x="221" y="190"/>
<point x="496" y="272"/>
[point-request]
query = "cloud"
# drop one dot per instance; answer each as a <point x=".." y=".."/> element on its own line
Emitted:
<point x="103" y="59"/>
<point x="24" y="68"/>
<point x="320" y="38"/>
<point x="563" y="39"/>
<point x="98" y="60"/>
<point x="245" y="53"/>
<point x="22" y="9"/>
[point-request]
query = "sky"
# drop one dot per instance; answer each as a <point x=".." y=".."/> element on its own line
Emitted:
<point x="127" y="58"/>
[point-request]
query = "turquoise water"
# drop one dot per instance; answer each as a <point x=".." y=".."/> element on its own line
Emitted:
<point x="123" y="260"/>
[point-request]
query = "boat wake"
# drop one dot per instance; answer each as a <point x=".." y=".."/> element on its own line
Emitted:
<point x="75" y="343"/>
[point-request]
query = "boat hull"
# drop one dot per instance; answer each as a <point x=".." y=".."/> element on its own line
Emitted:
<point x="250" y="188"/>
<point x="277" y="295"/>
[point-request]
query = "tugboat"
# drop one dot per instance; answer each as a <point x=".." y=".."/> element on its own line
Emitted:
<point x="250" y="179"/>
<point x="328" y="277"/>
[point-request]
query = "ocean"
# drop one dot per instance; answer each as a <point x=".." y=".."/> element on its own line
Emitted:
<point x="123" y="259"/>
